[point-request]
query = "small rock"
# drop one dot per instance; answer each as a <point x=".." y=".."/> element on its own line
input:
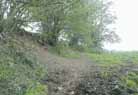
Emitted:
<point x="60" y="88"/>
<point x="72" y="93"/>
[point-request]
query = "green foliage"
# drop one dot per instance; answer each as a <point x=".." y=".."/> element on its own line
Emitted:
<point x="13" y="15"/>
<point x="104" y="58"/>
<point x="39" y="89"/>
<point x="114" y="58"/>
<point x="64" y="51"/>
<point x="68" y="53"/>
<point x="83" y="23"/>
<point x="130" y="81"/>
<point x="19" y="68"/>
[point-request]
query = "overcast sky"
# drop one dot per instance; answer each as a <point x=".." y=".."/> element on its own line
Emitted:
<point x="126" y="25"/>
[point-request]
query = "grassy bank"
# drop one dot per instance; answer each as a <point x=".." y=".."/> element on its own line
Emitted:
<point x="20" y="71"/>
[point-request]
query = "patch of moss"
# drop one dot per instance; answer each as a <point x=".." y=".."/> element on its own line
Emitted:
<point x="131" y="83"/>
<point x="38" y="89"/>
<point x="131" y="80"/>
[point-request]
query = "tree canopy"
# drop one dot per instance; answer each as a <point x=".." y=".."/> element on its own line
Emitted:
<point x="77" y="23"/>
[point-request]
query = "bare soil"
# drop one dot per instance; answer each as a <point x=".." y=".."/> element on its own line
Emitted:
<point x="81" y="76"/>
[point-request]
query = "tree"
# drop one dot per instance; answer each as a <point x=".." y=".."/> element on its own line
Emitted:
<point x="88" y="24"/>
<point x="51" y="15"/>
<point x="83" y="23"/>
<point x="12" y="15"/>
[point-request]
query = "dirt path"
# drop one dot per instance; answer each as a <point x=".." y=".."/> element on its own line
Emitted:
<point x="65" y="75"/>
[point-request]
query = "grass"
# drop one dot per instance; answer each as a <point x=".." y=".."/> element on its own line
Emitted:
<point x="106" y="58"/>
<point x="130" y="81"/>
<point x="114" y="57"/>
<point x="71" y="54"/>
<point x="103" y="58"/>
<point x="65" y="52"/>
<point x="20" y="70"/>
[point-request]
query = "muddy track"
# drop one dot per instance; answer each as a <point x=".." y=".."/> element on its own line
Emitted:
<point x="65" y="76"/>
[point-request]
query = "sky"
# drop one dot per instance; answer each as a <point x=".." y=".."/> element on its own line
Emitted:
<point x="126" y="25"/>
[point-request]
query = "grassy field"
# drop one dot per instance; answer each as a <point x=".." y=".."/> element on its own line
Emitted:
<point x="114" y="57"/>
<point x="108" y="58"/>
